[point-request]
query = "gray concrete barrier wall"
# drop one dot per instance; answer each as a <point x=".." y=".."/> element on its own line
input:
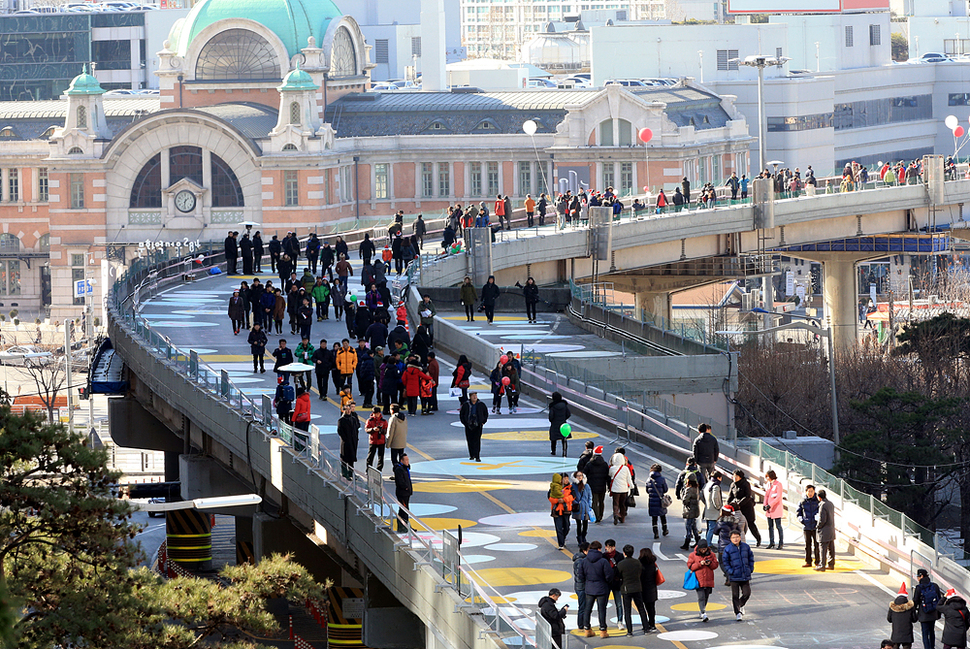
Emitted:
<point x="551" y="299"/>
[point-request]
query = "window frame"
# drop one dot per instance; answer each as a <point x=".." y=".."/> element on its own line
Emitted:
<point x="291" y="188"/>
<point x="76" y="185"/>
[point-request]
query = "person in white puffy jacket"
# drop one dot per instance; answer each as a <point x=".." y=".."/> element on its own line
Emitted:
<point x="621" y="483"/>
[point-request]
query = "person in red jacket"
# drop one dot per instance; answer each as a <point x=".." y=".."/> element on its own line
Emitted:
<point x="411" y="380"/>
<point x="301" y="418"/>
<point x="376" y="429"/>
<point x="500" y="209"/>
<point x="702" y="561"/>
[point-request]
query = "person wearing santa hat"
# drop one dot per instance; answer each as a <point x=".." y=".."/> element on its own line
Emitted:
<point x="956" y="617"/>
<point x="902" y="615"/>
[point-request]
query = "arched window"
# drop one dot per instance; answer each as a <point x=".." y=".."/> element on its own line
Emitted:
<point x="295" y="113"/>
<point x="75" y="150"/>
<point x="82" y="117"/>
<point x="606" y="133"/>
<point x="235" y="55"/>
<point x="185" y="162"/>
<point x="46" y="135"/>
<point x="626" y="132"/>
<point x="226" y="191"/>
<point x="343" y="57"/>
<point x="290" y="147"/>
<point x="9" y="243"/>
<point x="7" y="131"/>
<point x="147" y="189"/>
<point x="44" y="243"/>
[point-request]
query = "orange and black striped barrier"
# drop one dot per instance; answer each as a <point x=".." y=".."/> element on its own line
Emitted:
<point x="189" y="536"/>
<point x="345" y="619"/>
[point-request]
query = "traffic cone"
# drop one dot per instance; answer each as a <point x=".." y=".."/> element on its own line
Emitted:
<point x="902" y="590"/>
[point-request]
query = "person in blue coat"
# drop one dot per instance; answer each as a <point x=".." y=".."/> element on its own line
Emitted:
<point x="583" y="499"/>
<point x="656" y="488"/>
<point x="597" y="572"/>
<point x="739" y="564"/>
<point x="808" y="517"/>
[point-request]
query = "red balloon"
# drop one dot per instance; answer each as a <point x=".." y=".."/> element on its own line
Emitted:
<point x="504" y="359"/>
<point x="958" y="131"/>
<point x="645" y="135"/>
<point x="506" y="380"/>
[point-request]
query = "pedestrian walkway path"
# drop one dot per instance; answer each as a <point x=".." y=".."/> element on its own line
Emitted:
<point x="502" y="507"/>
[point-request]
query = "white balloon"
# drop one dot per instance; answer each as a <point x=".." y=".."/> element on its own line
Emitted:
<point x="529" y="127"/>
<point x="951" y="122"/>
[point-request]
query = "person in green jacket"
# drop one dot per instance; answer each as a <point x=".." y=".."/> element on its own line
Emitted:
<point x="302" y="354"/>
<point x="468" y="298"/>
<point x="308" y="280"/>
<point x="321" y="297"/>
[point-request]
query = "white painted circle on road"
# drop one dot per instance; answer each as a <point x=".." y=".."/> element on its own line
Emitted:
<point x="474" y="539"/>
<point x="521" y="519"/>
<point x="511" y="547"/>
<point x="476" y="558"/>
<point x="691" y="635"/>
<point x="670" y="594"/>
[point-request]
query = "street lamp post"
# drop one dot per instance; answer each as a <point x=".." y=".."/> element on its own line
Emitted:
<point x="824" y="333"/>
<point x="761" y="62"/>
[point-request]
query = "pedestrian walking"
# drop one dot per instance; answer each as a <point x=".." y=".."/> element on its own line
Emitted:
<point x="826" y="533"/>
<point x="559" y="414"/>
<point x="691" y="512"/>
<point x="902" y="615"/>
<point x="582" y="506"/>
<point x="741" y="498"/>
<point x="257" y="347"/>
<point x="473" y="415"/>
<point x="631" y="589"/>
<point x="956" y="618"/>
<point x="657" y="500"/>
<point x="303" y="354"/>
<point x="323" y="362"/>
<point x="597" y="573"/>
<point x="283" y="356"/>
<point x="702" y="561"/>
<point x="346" y="362"/>
<point x="585" y="456"/>
<point x="461" y="377"/>
<point x="713" y="501"/>
<point x="648" y="586"/>
<point x="561" y="498"/>
<point x="365" y="374"/>
<point x="428" y="313"/>
<point x="403" y="488"/>
<point x="348" y="429"/>
<point x="706" y="450"/>
<point x="490" y="293"/>
<point x="236" y="315"/>
<point x="397" y="433"/>
<point x="301" y="419"/>
<point x="926" y="597"/>
<point x="468" y="298"/>
<point x="579" y="587"/>
<point x="411" y="379"/>
<point x="597" y="473"/>
<point x="554" y="616"/>
<point x="376" y="429"/>
<point x="807" y="515"/>
<point x="774" y="508"/>
<point x="739" y="565"/>
<point x="621" y="484"/>
<point x="614" y="557"/>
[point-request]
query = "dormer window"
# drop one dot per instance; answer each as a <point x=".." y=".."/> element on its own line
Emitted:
<point x="486" y="125"/>
<point x="75" y="151"/>
<point x="290" y="147"/>
<point x="7" y="131"/>
<point x="437" y="126"/>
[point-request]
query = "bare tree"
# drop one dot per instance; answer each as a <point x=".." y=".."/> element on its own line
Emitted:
<point x="49" y="378"/>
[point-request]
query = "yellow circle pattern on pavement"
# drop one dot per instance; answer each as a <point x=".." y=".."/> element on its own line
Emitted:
<point x="613" y="632"/>
<point x="438" y="524"/>
<point x="692" y="606"/>
<point x="794" y="567"/>
<point x="459" y="486"/>
<point x="539" y="534"/>
<point x="531" y="436"/>
<point x="500" y="577"/>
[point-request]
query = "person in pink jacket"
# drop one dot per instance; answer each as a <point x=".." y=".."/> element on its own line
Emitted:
<point x="774" y="508"/>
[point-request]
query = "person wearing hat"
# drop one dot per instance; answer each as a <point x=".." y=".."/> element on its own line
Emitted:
<point x="597" y="473"/>
<point x="926" y="598"/>
<point x="656" y="505"/>
<point x="902" y="614"/>
<point x="473" y="415"/>
<point x="956" y="617"/>
<point x="702" y="562"/>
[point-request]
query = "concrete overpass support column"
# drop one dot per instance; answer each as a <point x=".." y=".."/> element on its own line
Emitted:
<point x="657" y="304"/>
<point x="841" y="300"/>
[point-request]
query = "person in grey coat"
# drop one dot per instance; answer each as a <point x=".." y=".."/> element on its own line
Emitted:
<point x="826" y="532"/>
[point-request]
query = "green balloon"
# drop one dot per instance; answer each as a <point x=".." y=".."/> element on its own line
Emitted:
<point x="566" y="430"/>
<point x="353" y="298"/>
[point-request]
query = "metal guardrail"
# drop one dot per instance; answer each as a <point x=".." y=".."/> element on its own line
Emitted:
<point x="367" y="496"/>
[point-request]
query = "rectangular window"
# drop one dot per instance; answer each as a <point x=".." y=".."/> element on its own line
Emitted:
<point x="702" y="171"/>
<point x="416" y="46"/>
<point x="959" y="99"/>
<point x="715" y="169"/>
<point x="875" y="35"/>
<point x="492" y="178"/>
<point x="346" y="184"/>
<point x="381" y="51"/>
<point x="444" y="180"/>
<point x="43" y="185"/>
<point x="77" y="274"/>
<point x="10" y="278"/>
<point x="381" y="173"/>
<point x="606" y="133"/>
<point x="608" y="175"/>
<point x="778" y="52"/>
<point x="13" y="185"/>
<point x="327" y="192"/>
<point x="848" y="36"/>
<point x="475" y="176"/>
<point x="741" y="163"/>
<point x="77" y="191"/>
<point x="724" y="61"/>
<point x="291" y="188"/>
<point x="77" y="260"/>
<point x="626" y="177"/>
<point x="427" y="180"/>
<point x="525" y="178"/>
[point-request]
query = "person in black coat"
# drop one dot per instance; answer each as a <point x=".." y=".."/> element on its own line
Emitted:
<point x="421" y="344"/>
<point x="473" y="415"/>
<point x="232" y="252"/>
<point x="327" y="259"/>
<point x="275" y="252"/>
<point x="376" y="334"/>
<point x="926" y="596"/>
<point x="558" y="414"/>
<point x="741" y="497"/>
<point x="257" y="346"/>
<point x="363" y="319"/>
<point x="403" y="488"/>
<point x="348" y="429"/>
<point x="323" y="362"/>
<point x="956" y="617"/>
<point x="531" y="293"/>
<point x="312" y="252"/>
<point x="554" y="616"/>
<point x="399" y="332"/>
<point x="902" y="614"/>
<point x="340" y="248"/>
<point x="365" y="373"/>
<point x="490" y="293"/>
<point x="366" y="249"/>
<point x="597" y="473"/>
<point x="258" y="252"/>
<point x="246" y="248"/>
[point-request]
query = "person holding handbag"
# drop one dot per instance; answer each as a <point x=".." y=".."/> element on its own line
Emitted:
<point x="702" y="562"/>
<point x="650" y="578"/>
<point x="692" y="511"/>
<point x="462" y="377"/>
<point x="621" y="483"/>
<point x="657" y="499"/>
<point x="560" y="496"/>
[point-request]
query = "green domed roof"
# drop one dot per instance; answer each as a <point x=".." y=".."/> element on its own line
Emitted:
<point x="298" y="80"/>
<point x="293" y="21"/>
<point x="84" y="84"/>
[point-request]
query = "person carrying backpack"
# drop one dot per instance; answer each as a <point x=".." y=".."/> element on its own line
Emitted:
<point x="926" y="597"/>
<point x="690" y="470"/>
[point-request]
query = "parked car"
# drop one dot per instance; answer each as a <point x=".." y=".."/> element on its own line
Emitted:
<point x="626" y="82"/>
<point x="24" y="356"/>
<point x="934" y="57"/>
<point x="154" y="514"/>
<point x="541" y="83"/>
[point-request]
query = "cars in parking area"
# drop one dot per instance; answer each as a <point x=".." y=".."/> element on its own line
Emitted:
<point x="24" y="356"/>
